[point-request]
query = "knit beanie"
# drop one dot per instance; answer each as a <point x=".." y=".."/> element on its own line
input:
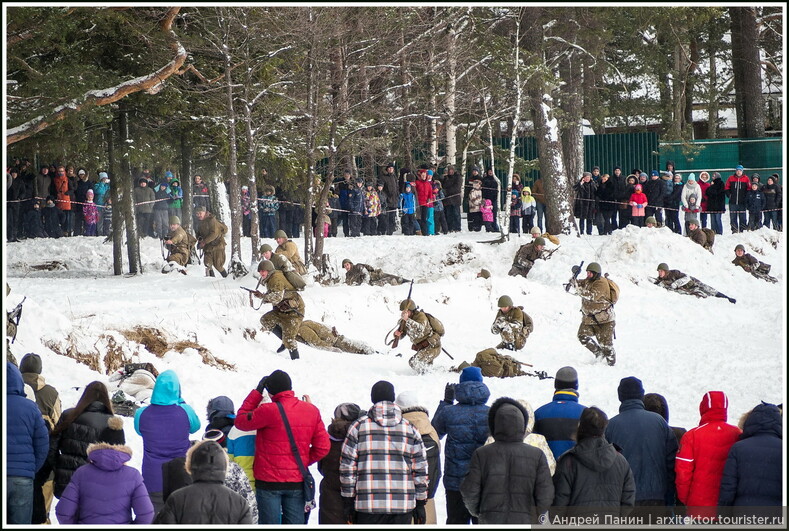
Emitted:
<point x="566" y="378"/>
<point x="630" y="387"/>
<point x="30" y="363"/>
<point x="382" y="391"/>
<point x="471" y="374"/>
<point x="278" y="381"/>
<point x="407" y="400"/>
<point x="347" y="411"/>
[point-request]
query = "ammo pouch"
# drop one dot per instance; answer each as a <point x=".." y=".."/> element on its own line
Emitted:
<point x="285" y="305"/>
<point x="419" y="346"/>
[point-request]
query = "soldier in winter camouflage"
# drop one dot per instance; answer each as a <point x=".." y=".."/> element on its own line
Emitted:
<point x="599" y="321"/>
<point x="752" y="265"/>
<point x="177" y="244"/>
<point x="512" y="323"/>
<point x="211" y="239"/>
<point x="526" y="255"/>
<point x="287" y="314"/>
<point x="358" y="274"/>
<point x="425" y="341"/>
<point x="321" y="336"/>
<point x="676" y="280"/>
<point x="290" y="251"/>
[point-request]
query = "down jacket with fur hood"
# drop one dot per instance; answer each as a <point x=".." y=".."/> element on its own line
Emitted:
<point x="105" y="491"/>
<point x="534" y="439"/>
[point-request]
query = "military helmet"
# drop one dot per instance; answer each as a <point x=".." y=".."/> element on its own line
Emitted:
<point x="265" y="247"/>
<point x="693" y="221"/>
<point x="594" y="267"/>
<point x="505" y="300"/>
<point x="280" y="234"/>
<point x="407" y="304"/>
<point x="484" y="273"/>
<point x="539" y="240"/>
<point x="651" y="219"/>
<point x="662" y="266"/>
<point x="175" y="220"/>
<point x="346" y="261"/>
<point x="265" y="265"/>
<point x="740" y="247"/>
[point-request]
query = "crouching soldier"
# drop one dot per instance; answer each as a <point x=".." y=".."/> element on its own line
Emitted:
<point x="419" y="327"/>
<point x="179" y="247"/>
<point x="358" y="274"/>
<point x="287" y="313"/>
<point x="752" y="265"/>
<point x="512" y="323"/>
<point x="676" y="280"/>
<point x="526" y="256"/>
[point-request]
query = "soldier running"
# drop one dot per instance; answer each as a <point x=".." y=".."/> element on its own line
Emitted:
<point x="752" y="265"/>
<point x="358" y="274"/>
<point x="599" y="321"/>
<point x="211" y="239"/>
<point x="287" y="314"/>
<point x="425" y="341"/>
<point x="676" y="280"/>
<point x="512" y="323"/>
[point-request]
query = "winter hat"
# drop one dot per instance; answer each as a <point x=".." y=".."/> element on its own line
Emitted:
<point x="201" y="208"/>
<point x="214" y="435"/>
<point x="655" y="173"/>
<point x="716" y="175"/>
<point x="408" y="185"/>
<point x="515" y="193"/>
<point x="629" y="388"/>
<point x="81" y="172"/>
<point x="638" y="188"/>
<point x="89" y="192"/>
<point x="245" y="187"/>
<point x="382" y="391"/>
<point x="692" y="177"/>
<point x="407" y="400"/>
<point x="30" y="363"/>
<point x="566" y="378"/>
<point x="471" y="374"/>
<point x="651" y="219"/>
<point x="430" y="172"/>
<point x="103" y="175"/>
<point x="755" y="177"/>
<point x="390" y="165"/>
<point x="168" y="174"/>
<point x="278" y="381"/>
<point x="739" y="167"/>
<point x="535" y="230"/>
<point x="347" y="411"/>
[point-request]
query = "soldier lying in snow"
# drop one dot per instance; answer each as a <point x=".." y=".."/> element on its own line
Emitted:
<point x="676" y="280"/>
<point x="753" y="266"/>
<point x="358" y="274"/>
<point x="321" y="336"/>
<point x="495" y="365"/>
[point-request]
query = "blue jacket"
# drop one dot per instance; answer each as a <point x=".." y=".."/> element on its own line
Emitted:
<point x="753" y="472"/>
<point x="557" y="420"/>
<point x="466" y="426"/>
<point x="649" y="446"/>
<point x="356" y="201"/>
<point x="408" y="202"/>
<point x="755" y="201"/>
<point x="28" y="438"/>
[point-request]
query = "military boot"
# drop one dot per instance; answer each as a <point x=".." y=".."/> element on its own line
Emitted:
<point x="209" y="272"/>
<point x="277" y="331"/>
<point x="223" y="273"/>
<point x="294" y="354"/>
<point x="609" y="355"/>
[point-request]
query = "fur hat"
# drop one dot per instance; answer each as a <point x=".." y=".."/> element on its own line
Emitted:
<point x="382" y="391"/>
<point x="630" y="387"/>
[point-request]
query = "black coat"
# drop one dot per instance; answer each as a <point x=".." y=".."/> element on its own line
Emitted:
<point x="489" y="190"/>
<point x="584" y="199"/>
<point x="655" y="190"/>
<point x="716" y="196"/>
<point x="53" y="219"/>
<point x="607" y="194"/>
<point x="591" y="476"/>
<point x="772" y="196"/>
<point x="508" y="481"/>
<point x="330" y="504"/>
<point x="452" y="186"/>
<point x="68" y="449"/>
<point x="674" y="199"/>
<point x="34" y="227"/>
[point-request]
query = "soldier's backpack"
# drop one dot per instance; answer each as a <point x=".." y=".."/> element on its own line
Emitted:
<point x="614" y="288"/>
<point x="296" y="280"/>
<point x="435" y="324"/>
<point x="710" y="234"/>
<point x="496" y="365"/>
<point x="190" y="240"/>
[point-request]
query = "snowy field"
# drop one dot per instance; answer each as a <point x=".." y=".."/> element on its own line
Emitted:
<point x="679" y="346"/>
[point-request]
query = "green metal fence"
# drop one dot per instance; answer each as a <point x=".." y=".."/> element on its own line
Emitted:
<point x="757" y="155"/>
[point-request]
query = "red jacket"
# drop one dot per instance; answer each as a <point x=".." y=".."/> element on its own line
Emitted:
<point x="424" y="193"/>
<point x="704" y="185"/>
<point x="737" y="188"/>
<point x="702" y="456"/>
<point x="274" y="461"/>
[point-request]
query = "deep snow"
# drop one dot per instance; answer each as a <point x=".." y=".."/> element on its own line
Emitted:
<point x="680" y="346"/>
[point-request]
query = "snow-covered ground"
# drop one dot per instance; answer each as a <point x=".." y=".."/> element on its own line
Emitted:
<point x="679" y="346"/>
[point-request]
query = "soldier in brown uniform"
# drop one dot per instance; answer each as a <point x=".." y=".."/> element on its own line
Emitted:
<point x="752" y="265"/>
<point x="289" y="249"/>
<point x="599" y="321"/>
<point x="281" y="263"/>
<point x="211" y="238"/>
<point x="321" y="336"/>
<point x="424" y="339"/>
<point x="698" y="235"/>
<point x="676" y="280"/>
<point x="287" y="313"/>
<point x="512" y="323"/>
<point x="526" y="255"/>
<point x="178" y="246"/>
<point x="358" y="274"/>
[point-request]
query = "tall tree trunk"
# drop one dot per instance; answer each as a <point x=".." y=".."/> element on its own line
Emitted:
<point x="677" y="92"/>
<point x="117" y="235"/>
<point x="690" y="82"/>
<point x="433" y="104"/>
<point x="663" y="74"/>
<point x="254" y="225"/>
<point x="517" y="89"/>
<point x="712" y="97"/>
<point x="310" y="142"/>
<point x="186" y="180"/>
<point x="408" y="161"/>
<point x="746" y="64"/>
<point x="571" y="102"/>
<point x="450" y="99"/>
<point x="127" y="200"/>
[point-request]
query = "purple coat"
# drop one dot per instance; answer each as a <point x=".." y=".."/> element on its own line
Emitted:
<point x="104" y="491"/>
<point x="165" y="426"/>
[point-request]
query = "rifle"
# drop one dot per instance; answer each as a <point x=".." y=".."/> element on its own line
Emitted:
<point x="15" y="315"/>
<point x="549" y="253"/>
<point x="251" y="291"/>
<point x="575" y="276"/>
<point x="542" y="375"/>
<point x="401" y="326"/>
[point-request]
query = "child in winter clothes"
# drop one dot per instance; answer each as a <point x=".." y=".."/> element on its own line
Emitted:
<point x="755" y="203"/>
<point x="383" y="218"/>
<point x="53" y="219"/>
<point x="691" y="209"/>
<point x="331" y="503"/>
<point x="372" y="209"/>
<point x="408" y="207"/>
<point x="474" y="204"/>
<point x="528" y="209"/>
<point x="90" y="214"/>
<point x="105" y="491"/>
<point x="515" y="212"/>
<point x="638" y="202"/>
<point x="34" y="227"/>
<point x="773" y="200"/>
<point x="438" y="209"/>
<point x="487" y="214"/>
